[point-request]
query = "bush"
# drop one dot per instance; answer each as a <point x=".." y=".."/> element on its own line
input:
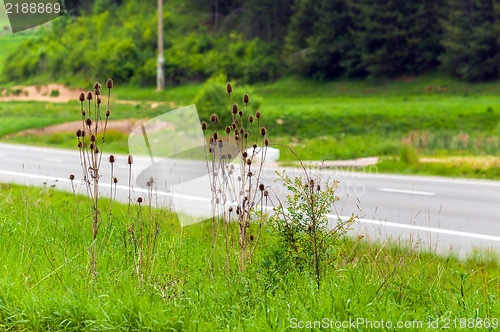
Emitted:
<point x="212" y="99"/>
<point x="408" y="155"/>
<point x="305" y="239"/>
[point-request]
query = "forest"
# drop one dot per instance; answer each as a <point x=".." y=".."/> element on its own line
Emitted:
<point x="260" y="40"/>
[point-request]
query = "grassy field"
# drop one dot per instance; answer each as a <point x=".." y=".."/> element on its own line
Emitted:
<point x="337" y="120"/>
<point x="46" y="283"/>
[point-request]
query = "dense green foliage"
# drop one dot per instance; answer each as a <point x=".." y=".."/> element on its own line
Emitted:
<point x="46" y="284"/>
<point x="254" y="40"/>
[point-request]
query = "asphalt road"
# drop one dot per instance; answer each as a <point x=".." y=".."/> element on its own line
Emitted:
<point x="434" y="213"/>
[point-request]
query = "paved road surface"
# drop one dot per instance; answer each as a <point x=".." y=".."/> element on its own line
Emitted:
<point x="435" y="213"/>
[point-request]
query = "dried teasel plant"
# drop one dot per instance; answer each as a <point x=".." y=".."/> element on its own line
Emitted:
<point x="91" y="139"/>
<point x="234" y="162"/>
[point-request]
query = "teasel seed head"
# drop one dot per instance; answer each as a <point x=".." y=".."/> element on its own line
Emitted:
<point x="71" y="177"/>
<point x="216" y="136"/>
<point x="210" y="150"/>
<point x="229" y="88"/>
<point x="235" y="108"/>
<point x="96" y="150"/>
<point x="254" y="146"/>
<point x="97" y="92"/>
<point x="91" y="146"/>
<point x="266" y="142"/>
<point x="97" y="85"/>
<point x="249" y="174"/>
<point x="229" y="156"/>
<point x="238" y="210"/>
<point x="148" y="184"/>
<point x="82" y="97"/>
<point x="217" y="200"/>
<point x="236" y="137"/>
<point x="111" y="159"/>
<point x="239" y="178"/>
<point x="108" y="113"/>
<point x="236" y="121"/>
<point x="233" y="125"/>
<point x="83" y="133"/>
<point x="89" y="96"/>
<point x="311" y="182"/>
<point x="230" y="209"/>
<point x="244" y="154"/>
<point x="98" y="100"/>
<point x="115" y="180"/>
<point x="266" y="193"/>
<point x="257" y="115"/>
<point x="221" y="144"/>
<point x="246" y="134"/>
<point x="130" y="159"/>
<point x="240" y="113"/>
<point x="263" y="131"/>
<point x="211" y="140"/>
<point x="251" y="237"/>
<point x="242" y="130"/>
<point x="203" y="126"/>
<point x="92" y="138"/>
<point x="139" y="200"/>
<point x="250" y="119"/>
<point x="80" y="144"/>
<point x="84" y="113"/>
<point x="223" y="156"/>
<point x="318" y="187"/>
<point x="246" y="99"/>
<point x="261" y="187"/>
<point x="228" y="130"/>
<point x="249" y="162"/>
<point x="214" y="118"/>
<point x="78" y="133"/>
<point x="109" y="83"/>
<point x="88" y="122"/>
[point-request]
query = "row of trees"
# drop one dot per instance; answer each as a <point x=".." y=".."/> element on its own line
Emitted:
<point x="261" y="39"/>
<point x="328" y="38"/>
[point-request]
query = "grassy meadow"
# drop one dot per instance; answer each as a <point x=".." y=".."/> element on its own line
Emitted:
<point x="46" y="282"/>
<point x="434" y="116"/>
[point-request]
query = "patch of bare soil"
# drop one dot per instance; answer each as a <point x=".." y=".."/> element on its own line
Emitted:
<point x="58" y="93"/>
<point x="125" y="126"/>
<point x="47" y="93"/>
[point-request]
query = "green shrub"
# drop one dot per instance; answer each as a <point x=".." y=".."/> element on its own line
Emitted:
<point x="408" y="155"/>
<point x="306" y="240"/>
<point x="212" y="98"/>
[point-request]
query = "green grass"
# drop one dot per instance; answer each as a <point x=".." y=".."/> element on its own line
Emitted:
<point x="46" y="284"/>
<point x="394" y="165"/>
<point x="332" y="120"/>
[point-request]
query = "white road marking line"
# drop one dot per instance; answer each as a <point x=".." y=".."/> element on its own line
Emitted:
<point x="54" y="160"/>
<point x="331" y="216"/>
<point x="414" y="192"/>
<point x="423" y="228"/>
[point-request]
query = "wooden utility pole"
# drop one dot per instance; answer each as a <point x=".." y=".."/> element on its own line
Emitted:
<point x="160" y="76"/>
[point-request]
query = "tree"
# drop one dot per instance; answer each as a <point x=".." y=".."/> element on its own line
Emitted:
<point x="299" y="30"/>
<point x="396" y="37"/>
<point x="471" y="39"/>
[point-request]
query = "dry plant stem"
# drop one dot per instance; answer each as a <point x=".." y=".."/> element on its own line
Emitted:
<point x="140" y="272"/>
